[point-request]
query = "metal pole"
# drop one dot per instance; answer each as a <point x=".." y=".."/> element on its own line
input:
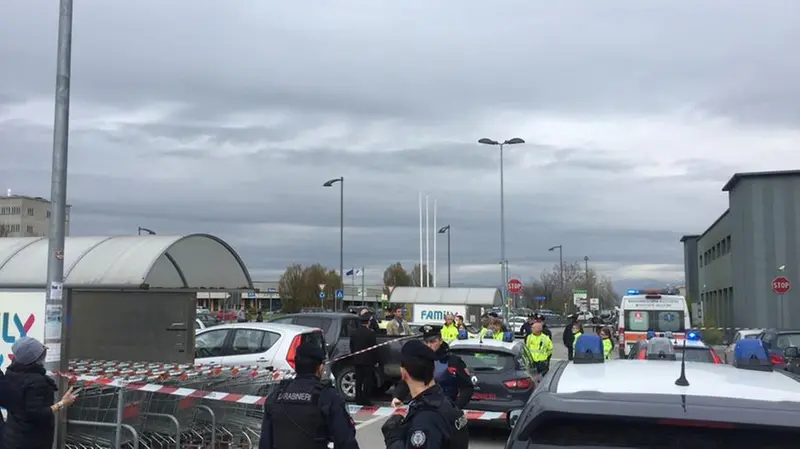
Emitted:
<point x="363" y="287"/>
<point x="419" y="281"/>
<point x="427" y="243"/>
<point x="56" y="304"/>
<point x="435" y="234"/>
<point x="341" y="244"/>
<point x="503" y="271"/>
<point x="586" y="261"/>
<point x="449" y="230"/>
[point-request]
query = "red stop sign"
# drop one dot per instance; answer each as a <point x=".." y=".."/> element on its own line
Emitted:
<point x="781" y="285"/>
<point x="514" y="286"/>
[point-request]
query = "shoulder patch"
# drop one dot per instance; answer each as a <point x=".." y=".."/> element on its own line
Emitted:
<point x="418" y="439"/>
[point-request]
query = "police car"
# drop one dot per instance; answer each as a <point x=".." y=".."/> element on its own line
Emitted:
<point x="502" y="373"/>
<point x="692" y="349"/>
<point x="598" y="403"/>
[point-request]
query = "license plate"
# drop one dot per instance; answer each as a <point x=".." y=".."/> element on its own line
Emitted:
<point x="484" y="396"/>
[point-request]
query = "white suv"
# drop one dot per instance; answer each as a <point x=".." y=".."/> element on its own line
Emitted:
<point x="262" y="344"/>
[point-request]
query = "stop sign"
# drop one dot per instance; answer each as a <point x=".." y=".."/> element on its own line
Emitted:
<point x="514" y="286"/>
<point x="781" y="285"/>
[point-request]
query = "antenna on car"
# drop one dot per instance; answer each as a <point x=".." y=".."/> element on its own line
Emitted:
<point x="682" y="381"/>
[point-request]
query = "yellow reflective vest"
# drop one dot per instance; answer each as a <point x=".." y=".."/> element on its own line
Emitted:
<point x="575" y="339"/>
<point x="608" y="347"/>
<point x="498" y="335"/>
<point x="449" y="333"/>
<point x="540" y="346"/>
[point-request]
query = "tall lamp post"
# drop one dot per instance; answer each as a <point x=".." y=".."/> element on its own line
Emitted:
<point x="503" y="262"/>
<point x="148" y="231"/>
<point x="560" y="249"/>
<point x="446" y="230"/>
<point x="586" y="263"/>
<point x="331" y="183"/>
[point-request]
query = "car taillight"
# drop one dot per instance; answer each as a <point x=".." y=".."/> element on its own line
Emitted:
<point x="518" y="384"/>
<point x="290" y="355"/>
<point x="776" y="359"/>
<point x="715" y="358"/>
<point x="642" y="354"/>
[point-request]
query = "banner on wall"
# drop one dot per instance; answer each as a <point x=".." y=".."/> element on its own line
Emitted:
<point x="23" y="314"/>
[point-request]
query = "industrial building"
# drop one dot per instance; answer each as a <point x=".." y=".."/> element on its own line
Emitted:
<point x="26" y="216"/>
<point x="729" y="268"/>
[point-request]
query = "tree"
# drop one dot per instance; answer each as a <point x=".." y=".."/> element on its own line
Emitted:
<point x="416" y="278"/>
<point x="396" y="276"/>
<point x="5" y="231"/>
<point x="549" y="284"/>
<point x="299" y="286"/>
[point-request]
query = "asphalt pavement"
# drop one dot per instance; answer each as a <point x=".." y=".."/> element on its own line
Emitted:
<point x="482" y="436"/>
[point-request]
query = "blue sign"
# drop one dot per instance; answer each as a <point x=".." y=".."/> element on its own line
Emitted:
<point x="339" y="293"/>
<point x="321" y="295"/>
<point x="540" y="298"/>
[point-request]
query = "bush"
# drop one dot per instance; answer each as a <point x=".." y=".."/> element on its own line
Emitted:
<point x="713" y="336"/>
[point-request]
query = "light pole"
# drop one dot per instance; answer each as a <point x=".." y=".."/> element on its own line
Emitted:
<point x="586" y="263"/>
<point x="560" y="249"/>
<point x="446" y="230"/>
<point x="330" y="183"/>
<point x="149" y="231"/>
<point x="503" y="262"/>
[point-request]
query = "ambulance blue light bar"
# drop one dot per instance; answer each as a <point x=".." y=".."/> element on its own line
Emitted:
<point x="632" y="291"/>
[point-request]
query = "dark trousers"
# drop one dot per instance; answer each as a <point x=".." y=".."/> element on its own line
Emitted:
<point x="364" y="377"/>
<point x="570" y="353"/>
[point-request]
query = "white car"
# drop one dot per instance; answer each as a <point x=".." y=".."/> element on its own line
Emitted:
<point x="747" y="333"/>
<point x="264" y="345"/>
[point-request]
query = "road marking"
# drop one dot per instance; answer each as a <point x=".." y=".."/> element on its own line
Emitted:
<point x="369" y="421"/>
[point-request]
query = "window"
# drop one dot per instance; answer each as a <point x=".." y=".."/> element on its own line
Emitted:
<point x="669" y="321"/>
<point x="210" y="344"/>
<point x="348" y="325"/>
<point x="638" y="321"/>
<point x="30" y="212"/>
<point x="5" y="211"/>
<point x="29" y="229"/>
<point x="289" y="320"/>
<point x="486" y="361"/>
<point x="728" y="243"/>
<point x="701" y="261"/>
<point x="270" y="338"/>
<point x="48" y="214"/>
<point x="724" y="247"/>
<point x="16" y="210"/>
<point x="247" y="341"/>
<point x="719" y="251"/>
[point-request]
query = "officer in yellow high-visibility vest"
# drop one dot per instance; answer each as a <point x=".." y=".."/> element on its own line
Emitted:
<point x="540" y="347"/>
<point x="484" y="326"/>
<point x="577" y="331"/>
<point x="449" y="331"/>
<point x="608" y="345"/>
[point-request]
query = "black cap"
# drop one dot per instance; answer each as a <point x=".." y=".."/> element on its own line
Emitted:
<point x="311" y="351"/>
<point x="416" y="349"/>
<point x="493" y="315"/>
<point x="430" y="331"/>
<point x="364" y="317"/>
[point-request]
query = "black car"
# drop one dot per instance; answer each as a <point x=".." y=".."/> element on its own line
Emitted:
<point x="777" y="341"/>
<point x="503" y="373"/>
<point x="208" y="319"/>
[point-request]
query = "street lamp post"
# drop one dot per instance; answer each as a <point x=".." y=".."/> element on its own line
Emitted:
<point x="330" y="183"/>
<point x="446" y="230"/>
<point x="149" y="231"/>
<point x="503" y="262"/>
<point x="586" y="263"/>
<point x="560" y="249"/>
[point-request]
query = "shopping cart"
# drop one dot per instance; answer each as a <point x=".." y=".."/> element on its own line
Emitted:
<point x="104" y="417"/>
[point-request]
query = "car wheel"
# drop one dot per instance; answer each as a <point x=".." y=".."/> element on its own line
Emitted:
<point x="346" y="383"/>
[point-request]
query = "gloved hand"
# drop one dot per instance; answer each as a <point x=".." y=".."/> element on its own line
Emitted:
<point x="393" y="430"/>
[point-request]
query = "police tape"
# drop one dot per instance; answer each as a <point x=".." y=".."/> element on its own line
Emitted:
<point x="246" y="399"/>
<point x="371" y="348"/>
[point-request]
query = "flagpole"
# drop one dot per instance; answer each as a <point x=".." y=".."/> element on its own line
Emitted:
<point x="435" y="233"/>
<point x="427" y="242"/>
<point x="363" y="290"/>
<point x="353" y="284"/>
<point x="419" y="281"/>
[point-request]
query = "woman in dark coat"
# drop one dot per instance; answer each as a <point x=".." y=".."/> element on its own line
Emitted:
<point x="31" y="417"/>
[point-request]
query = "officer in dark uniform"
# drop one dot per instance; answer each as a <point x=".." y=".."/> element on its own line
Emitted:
<point x="432" y="420"/>
<point x="450" y="372"/>
<point x="307" y="413"/>
<point x="363" y="337"/>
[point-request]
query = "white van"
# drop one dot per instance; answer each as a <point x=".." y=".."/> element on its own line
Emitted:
<point x="650" y="310"/>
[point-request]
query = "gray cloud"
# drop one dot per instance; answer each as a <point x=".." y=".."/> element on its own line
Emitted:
<point x="227" y="119"/>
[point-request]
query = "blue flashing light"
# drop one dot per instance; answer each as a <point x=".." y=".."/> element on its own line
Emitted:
<point x="589" y="349"/>
<point x="632" y="291"/>
<point x="750" y="353"/>
<point x="650" y="334"/>
<point x="508" y="337"/>
<point x="462" y="334"/>
<point x="693" y="335"/>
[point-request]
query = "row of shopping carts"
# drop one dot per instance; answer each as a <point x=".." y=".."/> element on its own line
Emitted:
<point x="157" y="406"/>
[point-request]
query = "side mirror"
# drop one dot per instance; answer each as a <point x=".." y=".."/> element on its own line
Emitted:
<point x="512" y="417"/>
<point x="790" y="352"/>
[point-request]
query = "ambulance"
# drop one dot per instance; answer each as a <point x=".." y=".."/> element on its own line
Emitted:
<point x="656" y="310"/>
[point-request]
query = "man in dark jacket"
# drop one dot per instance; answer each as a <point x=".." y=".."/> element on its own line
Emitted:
<point x="567" y="336"/>
<point x="362" y="338"/>
<point x="31" y="418"/>
<point x="373" y="322"/>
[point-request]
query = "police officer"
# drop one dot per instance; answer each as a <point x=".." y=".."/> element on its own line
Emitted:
<point x="361" y="338"/>
<point x="306" y="413"/>
<point x="432" y="420"/>
<point x="540" y="347"/>
<point x="450" y="372"/>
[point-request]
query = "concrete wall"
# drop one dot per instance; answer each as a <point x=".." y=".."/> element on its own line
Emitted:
<point x="690" y="264"/>
<point x="764" y="217"/>
<point x="715" y="275"/>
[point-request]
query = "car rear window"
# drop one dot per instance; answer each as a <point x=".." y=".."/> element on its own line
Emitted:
<point x="655" y="434"/>
<point x="486" y="361"/>
<point x="694" y="354"/>
<point x="784" y="341"/>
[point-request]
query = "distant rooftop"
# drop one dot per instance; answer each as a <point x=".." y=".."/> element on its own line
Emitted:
<point x="761" y="174"/>
<point x="689" y="237"/>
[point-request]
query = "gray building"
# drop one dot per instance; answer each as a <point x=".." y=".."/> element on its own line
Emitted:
<point x="730" y="266"/>
<point x="26" y="216"/>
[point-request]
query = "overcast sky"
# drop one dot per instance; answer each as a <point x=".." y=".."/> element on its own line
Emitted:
<point x="227" y="117"/>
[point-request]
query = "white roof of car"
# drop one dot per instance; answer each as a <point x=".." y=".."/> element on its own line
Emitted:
<point x="275" y="327"/>
<point x="689" y="344"/>
<point x="657" y="377"/>
<point x="750" y="332"/>
<point x="489" y="343"/>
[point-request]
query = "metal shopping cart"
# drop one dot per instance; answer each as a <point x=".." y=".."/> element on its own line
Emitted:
<point x="104" y="416"/>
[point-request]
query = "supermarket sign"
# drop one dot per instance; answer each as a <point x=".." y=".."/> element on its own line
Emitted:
<point x="21" y="315"/>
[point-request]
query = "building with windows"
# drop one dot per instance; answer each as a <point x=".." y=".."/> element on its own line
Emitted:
<point x="729" y="268"/>
<point x="26" y="216"/>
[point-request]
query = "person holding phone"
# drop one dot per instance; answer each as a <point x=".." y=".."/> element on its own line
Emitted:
<point x="31" y="416"/>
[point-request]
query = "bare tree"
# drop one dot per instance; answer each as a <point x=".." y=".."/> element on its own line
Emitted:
<point x="549" y="285"/>
<point x="417" y="278"/>
<point x="396" y="276"/>
<point x="5" y="230"/>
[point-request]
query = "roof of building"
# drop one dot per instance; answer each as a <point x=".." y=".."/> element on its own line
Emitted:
<point x="761" y="174"/>
<point x="716" y="222"/>
<point x="193" y="261"/>
<point x="658" y="377"/>
<point x="451" y="296"/>
<point x="689" y="237"/>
